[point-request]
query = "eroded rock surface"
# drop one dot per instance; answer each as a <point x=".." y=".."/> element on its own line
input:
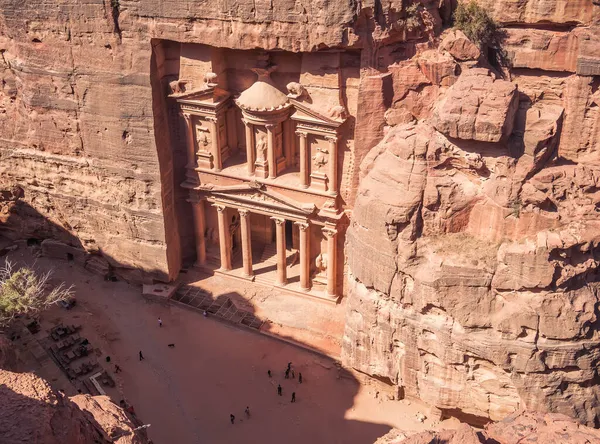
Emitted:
<point x="472" y="248"/>
<point x="477" y="107"/>
<point x="31" y="412"/>
<point x="516" y="429"/>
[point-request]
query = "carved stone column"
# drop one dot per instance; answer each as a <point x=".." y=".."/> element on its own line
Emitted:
<point x="331" y="235"/>
<point x="246" y="242"/>
<point x="332" y="182"/>
<point x="216" y="147"/>
<point x="271" y="151"/>
<point x="304" y="255"/>
<point x="303" y="158"/>
<point x="191" y="144"/>
<point x="281" y="253"/>
<point x="225" y="251"/>
<point x="249" y="146"/>
<point x="199" y="228"/>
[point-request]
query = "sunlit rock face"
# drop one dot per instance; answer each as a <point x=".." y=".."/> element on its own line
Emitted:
<point x="470" y="191"/>
<point x="473" y="244"/>
<point x="524" y="427"/>
<point x="87" y="133"/>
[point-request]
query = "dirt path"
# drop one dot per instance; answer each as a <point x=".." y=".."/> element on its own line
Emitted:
<point x="187" y="392"/>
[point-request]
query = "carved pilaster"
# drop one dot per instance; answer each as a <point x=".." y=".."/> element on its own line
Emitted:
<point x="304" y="229"/>
<point x="191" y="143"/>
<point x="246" y="242"/>
<point x="304" y="154"/>
<point x="216" y="146"/>
<point x="271" y="159"/>
<point x="281" y="252"/>
<point x="225" y="250"/>
<point x="331" y="235"/>
<point x="332" y="175"/>
<point x="249" y="146"/>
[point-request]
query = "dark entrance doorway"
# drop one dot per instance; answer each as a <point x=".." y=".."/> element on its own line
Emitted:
<point x="289" y="226"/>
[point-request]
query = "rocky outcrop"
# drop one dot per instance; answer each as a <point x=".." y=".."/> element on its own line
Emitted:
<point x="523" y="428"/>
<point x="477" y="107"/>
<point x="472" y="247"/>
<point x="30" y="411"/>
<point x="459" y="46"/>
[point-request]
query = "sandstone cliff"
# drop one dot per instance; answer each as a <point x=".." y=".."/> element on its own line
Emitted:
<point x="84" y="130"/>
<point x="472" y="251"/>
<point x="523" y="428"/>
<point x="31" y="412"/>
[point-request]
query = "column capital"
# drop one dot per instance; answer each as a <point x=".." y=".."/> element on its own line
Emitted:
<point x="243" y="213"/>
<point x="302" y="134"/>
<point x="220" y="208"/>
<point x="246" y="123"/>
<point x="303" y="226"/>
<point x="332" y="138"/>
<point x="270" y="126"/>
<point x="211" y="119"/>
<point x="186" y="115"/>
<point x="329" y="232"/>
<point x="278" y="220"/>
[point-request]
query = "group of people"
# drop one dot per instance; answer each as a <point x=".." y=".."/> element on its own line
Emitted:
<point x="289" y="371"/>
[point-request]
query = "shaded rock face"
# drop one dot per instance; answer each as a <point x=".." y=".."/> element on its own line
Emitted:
<point x="472" y="270"/>
<point x="523" y="428"/>
<point x="30" y="411"/>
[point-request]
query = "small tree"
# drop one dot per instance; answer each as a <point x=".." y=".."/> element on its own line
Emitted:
<point x="476" y="23"/>
<point x="23" y="291"/>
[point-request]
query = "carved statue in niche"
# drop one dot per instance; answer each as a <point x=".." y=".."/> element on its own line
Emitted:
<point x="261" y="148"/>
<point x="321" y="264"/>
<point x="203" y="139"/>
<point x="295" y="90"/>
<point x="180" y="86"/>
<point x="338" y="113"/>
<point x="320" y="158"/>
<point x="210" y="79"/>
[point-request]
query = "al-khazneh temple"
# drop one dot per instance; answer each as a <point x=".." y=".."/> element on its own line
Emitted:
<point x="263" y="175"/>
<point x="368" y="153"/>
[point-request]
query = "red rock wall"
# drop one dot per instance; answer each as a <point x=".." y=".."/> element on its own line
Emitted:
<point x="83" y="123"/>
<point x="473" y="279"/>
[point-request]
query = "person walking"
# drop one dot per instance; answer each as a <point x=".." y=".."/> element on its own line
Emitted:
<point x="279" y="389"/>
<point x="159" y="322"/>
<point x="289" y="365"/>
<point x="232" y="418"/>
<point x="293" y="396"/>
<point x="247" y="412"/>
<point x="300" y="378"/>
<point x="287" y="374"/>
<point x="117" y="368"/>
<point x="141" y="356"/>
<point x="269" y="373"/>
<point x="293" y="374"/>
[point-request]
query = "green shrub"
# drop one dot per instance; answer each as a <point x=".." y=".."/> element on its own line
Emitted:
<point x="23" y="291"/>
<point x="413" y="16"/>
<point x="476" y="23"/>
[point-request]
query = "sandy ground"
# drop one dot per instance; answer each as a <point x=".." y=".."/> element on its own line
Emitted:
<point x="188" y="392"/>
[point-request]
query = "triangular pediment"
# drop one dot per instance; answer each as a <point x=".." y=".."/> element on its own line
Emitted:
<point x="257" y="194"/>
<point x="305" y="112"/>
<point x="207" y="96"/>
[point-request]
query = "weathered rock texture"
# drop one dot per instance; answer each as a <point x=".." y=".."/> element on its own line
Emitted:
<point x="516" y="429"/>
<point x="31" y="412"/>
<point x="472" y="251"/>
<point x="85" y="132"/>
<point x="472" y="254"/>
